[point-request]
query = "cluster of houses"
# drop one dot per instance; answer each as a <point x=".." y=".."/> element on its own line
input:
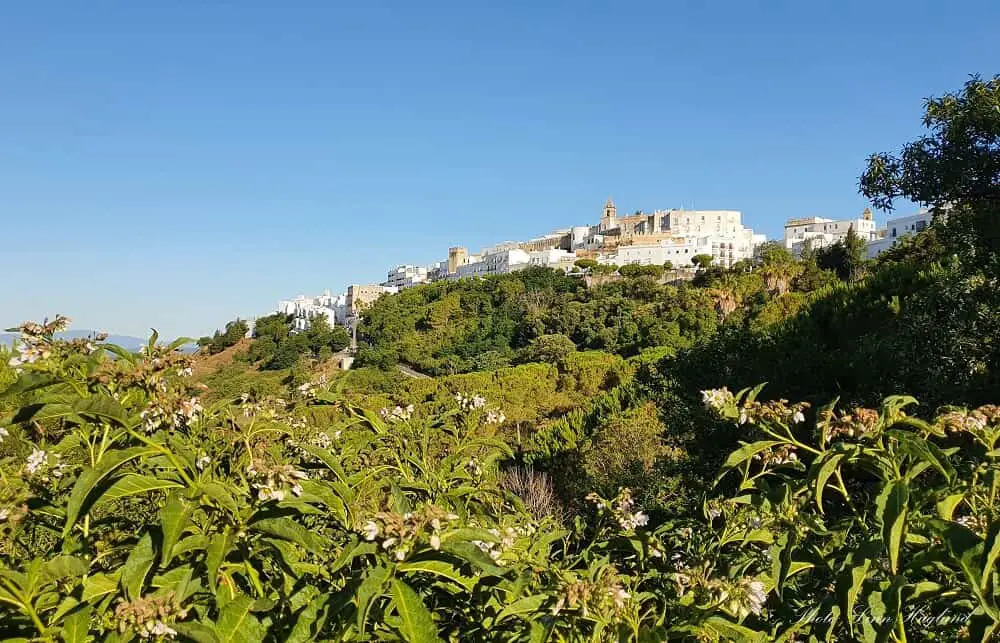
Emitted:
<point x="664" y="237"/>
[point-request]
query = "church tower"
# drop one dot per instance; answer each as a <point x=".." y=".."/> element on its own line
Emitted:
<point x="609" y="219"/>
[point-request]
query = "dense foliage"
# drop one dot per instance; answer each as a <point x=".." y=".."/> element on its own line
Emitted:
<point x="221" y="340"/>
<point x="277" y="345"/>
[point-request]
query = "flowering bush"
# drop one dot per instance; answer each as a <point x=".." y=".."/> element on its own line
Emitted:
<point x="130" y="509"/>
<point x="883" y="526"/>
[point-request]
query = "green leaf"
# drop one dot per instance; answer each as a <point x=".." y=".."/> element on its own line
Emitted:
<point x="289" y="530"/>
<point x="197" y="632"/>
<point x="173" y="519"/>
<point x="350" y="553"/>
<point x="325" y="494"/>
<point x="946" y="507"/>
<point x="91" y="476"/>
<point x="137" y="566"/>
<point x="416" y="623"/>
<point x="64" y="567"/>
<point x="29" y="381"/>
<point x="132" y="484"/>
<point x="729" y="631"/>
<point x="849" y="586"/>
<point x="526" y="605"/>
<point x="98" y="585"/>
<point x="215" y="553"/>
<point x="220" y="495"/>
<point x="120" y="352"/>
<point x="744" y="453"/>
<point x="473" y="555"/>
<point x="438" y="568"/>
<point x="305" y="628"/>
<point x="102" y="407"/>
<point x="827" y="469"/>
<point x="991" y="551"/>
<point x="966" y="549"/>
<point x="43" y="412"/>
<point x="368" y="591"/>
<point x="923" y="451"/>
<point x="236" y="624"/>
<point x="892" y="506"/>
<point x="179" y="342"/>
<point x="76" y="626"/>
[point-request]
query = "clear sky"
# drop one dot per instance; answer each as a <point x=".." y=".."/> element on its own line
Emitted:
<point x="176" y="164"/>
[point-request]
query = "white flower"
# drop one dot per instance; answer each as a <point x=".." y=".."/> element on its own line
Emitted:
<point x="400" y="554"/>
<point x="798" y="418"/>
<point x="297" y="489"/>
<point x="370" y="530"/>
<point x="202" y="462"/>
<point x="756" y="596"/>
<point x="4" y="513"/>
<point x="435" y="542"/>
<point x="35" y="460"/>
<point x="640" y="519"/>
<point x="185" y="372"/>
<point x="716" y="399"/>
<point x="619" y="596"/>
<point x="162" y="629"/>
<point x="3" y="433"/>
<point x="191" y="408"/>
<point x="265" y="493"/>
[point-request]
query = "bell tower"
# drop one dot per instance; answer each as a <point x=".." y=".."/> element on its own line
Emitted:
<point x="609" y="219"/>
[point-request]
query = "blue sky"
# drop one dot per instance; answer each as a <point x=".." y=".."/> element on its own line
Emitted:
<point x="176" y="164"/>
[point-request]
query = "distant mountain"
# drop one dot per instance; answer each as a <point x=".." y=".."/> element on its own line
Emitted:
<point x="127" y="342"/>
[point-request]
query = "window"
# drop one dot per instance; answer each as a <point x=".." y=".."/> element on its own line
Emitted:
<point x="894" y="232"/>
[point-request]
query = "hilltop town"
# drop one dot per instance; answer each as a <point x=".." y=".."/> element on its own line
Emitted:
<point x="670" y="238"/>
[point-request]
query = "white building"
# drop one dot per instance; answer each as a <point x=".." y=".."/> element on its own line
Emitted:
<point x="304" y="309"/>
<point x="896" y="229"/>
<point x="817" y="232"/>
<point x="552" y="258"/>
<point x="405" y="276"/>
<point x="494" y="263"/>
<point x="724" y="250"/>
<point x="677" y="253"/>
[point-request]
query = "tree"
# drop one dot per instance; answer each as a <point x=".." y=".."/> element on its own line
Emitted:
<point x="778" y="267"/>
<point x="846" y="257"/>
<point x="954" y="168"/>
<point x="585" y="264"/>
<point x="773" y="252"/>
<point x="668" y="265"/>
<point x="636" y="270"/>
<point x="321" y="335"/>
<point x="548" y="348"/>
<point x="702" y="261"/>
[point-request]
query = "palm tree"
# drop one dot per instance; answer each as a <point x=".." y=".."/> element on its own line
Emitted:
<point x="778" y="276"/>
<point x="726" y="294"/>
